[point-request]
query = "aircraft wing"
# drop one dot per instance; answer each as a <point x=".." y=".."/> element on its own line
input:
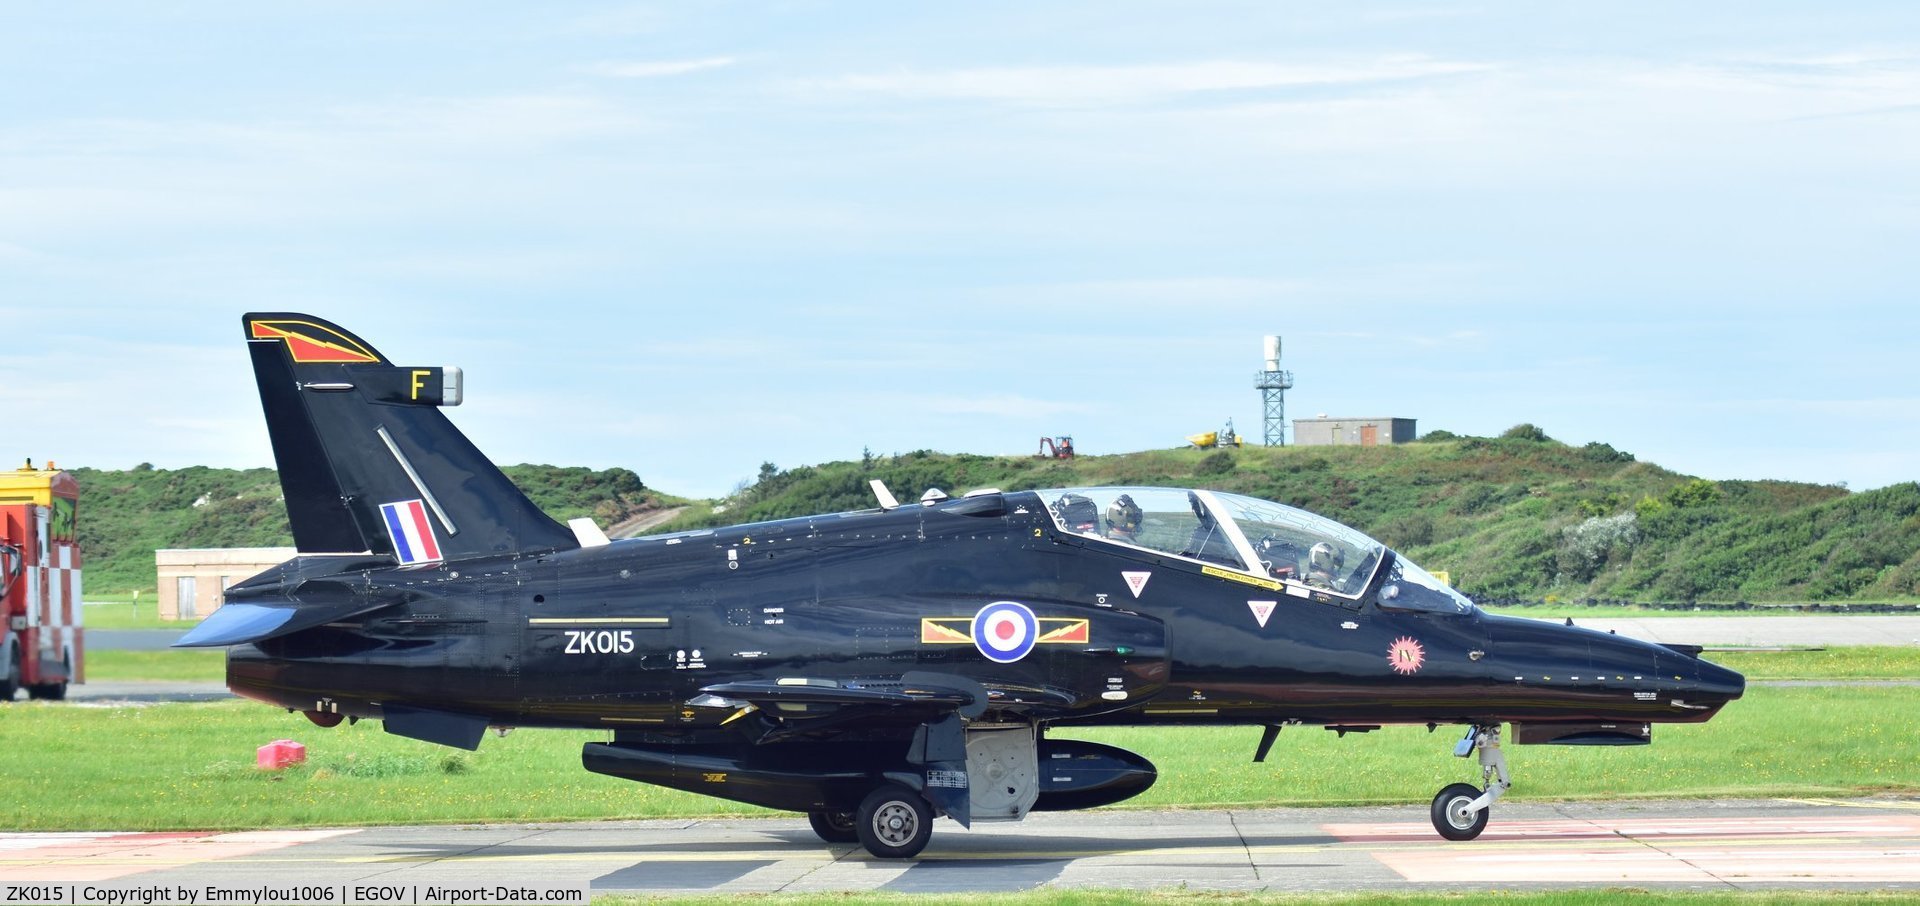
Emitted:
<point x="314" y="604"/>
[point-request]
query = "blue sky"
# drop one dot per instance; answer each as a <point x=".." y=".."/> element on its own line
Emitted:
<point x="689" y="238"/>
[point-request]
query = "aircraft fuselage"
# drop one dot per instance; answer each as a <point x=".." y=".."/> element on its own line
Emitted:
<point x="622" y="635"/>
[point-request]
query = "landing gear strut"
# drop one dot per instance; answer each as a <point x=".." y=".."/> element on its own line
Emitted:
<point x="1460" y="811"/>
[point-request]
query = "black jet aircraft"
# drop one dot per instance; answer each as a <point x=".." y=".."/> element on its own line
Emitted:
<point x="875" y="669"/>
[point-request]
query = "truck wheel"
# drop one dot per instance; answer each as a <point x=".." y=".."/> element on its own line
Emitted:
<point x="10" y="678"/>
<point x="52" y="692"/>
<point x="833" y="827"/>
<point x="894" y="822"/>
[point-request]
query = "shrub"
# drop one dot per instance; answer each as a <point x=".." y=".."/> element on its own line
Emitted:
<point x="1698" y="492"/>
<point x="1587" y="547"/>
<point x="1219" y="462"/>
<point x="1526" y="431"/>
<point x="1606" y="505"/>
<point x="1411" y="530"/>
<point x="1599" y="452"/>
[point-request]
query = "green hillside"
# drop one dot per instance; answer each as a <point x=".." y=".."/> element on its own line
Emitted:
<point x="1518" y="517"/>
<point x="126" y="515"/>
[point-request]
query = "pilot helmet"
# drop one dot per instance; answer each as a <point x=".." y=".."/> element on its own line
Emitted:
<point x="1325" y="558"/>
<point x="1123" y="514"/>
<point x="1077" y="511"/>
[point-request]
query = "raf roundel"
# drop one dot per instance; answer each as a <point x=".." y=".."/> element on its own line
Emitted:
<point x="1005" y="631"/>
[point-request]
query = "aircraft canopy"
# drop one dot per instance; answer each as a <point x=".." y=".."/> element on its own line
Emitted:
<point x="1249" y="535"/>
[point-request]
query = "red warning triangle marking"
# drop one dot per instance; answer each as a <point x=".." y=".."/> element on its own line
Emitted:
<point x="1261" y="611"/>
<point x="1136" y="582"/>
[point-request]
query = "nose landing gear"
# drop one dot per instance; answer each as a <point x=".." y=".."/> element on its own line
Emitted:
<point x="1460" y="811"/>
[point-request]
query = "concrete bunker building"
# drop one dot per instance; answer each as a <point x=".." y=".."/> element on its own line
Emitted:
<point x="1352" y="432"/>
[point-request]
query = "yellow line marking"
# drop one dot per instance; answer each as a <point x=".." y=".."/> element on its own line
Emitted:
<point x="1241" y="578"/>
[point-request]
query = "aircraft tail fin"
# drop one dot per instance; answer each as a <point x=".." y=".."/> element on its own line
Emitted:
<point x="368" y="462"/>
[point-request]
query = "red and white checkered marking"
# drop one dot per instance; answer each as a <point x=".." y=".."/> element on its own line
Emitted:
<point x="1868" y="848"/>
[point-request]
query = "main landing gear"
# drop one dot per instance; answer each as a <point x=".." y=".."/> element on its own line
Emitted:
<point x="1460" y="811"/>
<point x="833" y="827"/>
<point x="893" y="822"/>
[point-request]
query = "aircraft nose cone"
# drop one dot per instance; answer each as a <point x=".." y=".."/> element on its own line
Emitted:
<point x="1693" y="684"/>
<point x="1717" y="682"/>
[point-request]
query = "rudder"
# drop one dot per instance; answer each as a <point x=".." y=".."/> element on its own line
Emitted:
<point x="367" y="460"/>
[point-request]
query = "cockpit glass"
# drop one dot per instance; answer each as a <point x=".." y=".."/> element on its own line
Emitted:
<point x="1162" y="519"/>
<point x="1408" y="587"/>
<point x="1296" y="545"/>
<point x="1287" y="544"/>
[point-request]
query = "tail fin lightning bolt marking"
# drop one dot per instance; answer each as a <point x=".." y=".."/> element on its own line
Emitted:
<point x="305" y="345"/>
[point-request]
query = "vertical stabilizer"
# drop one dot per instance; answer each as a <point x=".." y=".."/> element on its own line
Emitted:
<point x="368" y="462"/>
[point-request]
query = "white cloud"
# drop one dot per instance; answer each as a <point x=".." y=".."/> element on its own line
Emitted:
<point x="121" y="402"/>
<point x="654" y="69"/>
<point x="1120" y="84"/>
<point x="382" y="161"/>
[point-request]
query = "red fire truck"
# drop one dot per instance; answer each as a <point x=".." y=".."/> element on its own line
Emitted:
<point x="41" y="640"/>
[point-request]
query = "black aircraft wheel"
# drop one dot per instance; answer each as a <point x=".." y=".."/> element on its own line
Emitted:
<point x="894" y="822"/>
<point x="1452" y="818"/>
<point x="834" y="827"/>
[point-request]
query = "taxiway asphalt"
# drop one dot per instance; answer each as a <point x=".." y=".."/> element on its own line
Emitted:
<point x="1711" y="845"/>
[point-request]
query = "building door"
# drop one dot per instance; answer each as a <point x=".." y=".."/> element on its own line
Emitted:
<point x="1369" y="435"/>
<point x="184" y="591"/>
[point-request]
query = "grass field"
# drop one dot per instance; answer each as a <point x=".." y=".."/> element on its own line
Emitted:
<point x="190" y="765"/>
<point x="1850" y="663"/>
<point x="194" y="664"/>
<point x="125" y="611"/>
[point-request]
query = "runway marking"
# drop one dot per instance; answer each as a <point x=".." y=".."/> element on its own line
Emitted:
<point x="1679" y="865"/>
<point x="1894" y="825"/>
<point x="1864" y="846"/>
<point x="1846" y="849"/>
<point x="1842" y="803"/>
<point x="78" y="858"/>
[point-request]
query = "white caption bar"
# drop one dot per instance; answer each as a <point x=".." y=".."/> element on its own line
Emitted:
<point x="358" y="894"/>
